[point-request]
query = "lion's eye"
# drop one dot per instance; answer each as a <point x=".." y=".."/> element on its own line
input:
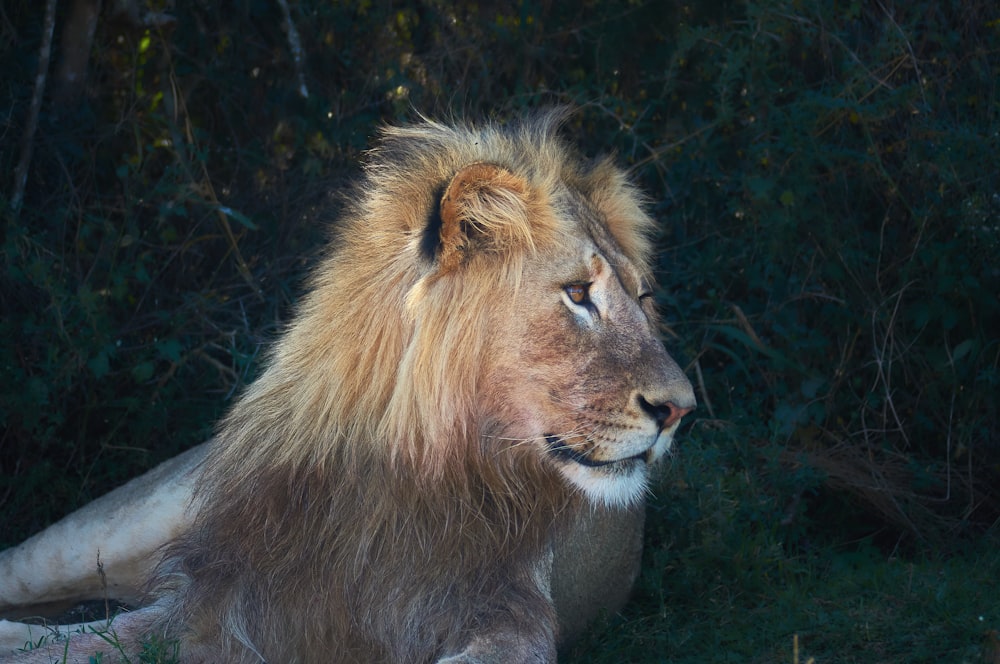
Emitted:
<point x="578" y="293"/>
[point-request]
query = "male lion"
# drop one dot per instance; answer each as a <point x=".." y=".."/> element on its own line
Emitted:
<point x="446" y="456"/>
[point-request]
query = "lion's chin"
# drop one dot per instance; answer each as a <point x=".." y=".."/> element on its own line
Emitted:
<point x="620" y="484"/>
<point x="617" y="483"/>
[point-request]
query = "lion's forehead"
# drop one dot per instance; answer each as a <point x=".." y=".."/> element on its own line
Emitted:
<point x="589" y="225"/>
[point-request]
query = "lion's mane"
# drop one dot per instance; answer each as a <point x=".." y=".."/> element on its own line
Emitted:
<point x="353" y="500"/>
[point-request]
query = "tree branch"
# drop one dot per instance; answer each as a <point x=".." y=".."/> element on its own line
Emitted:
<point x="28" y="140"/>
<point x="295" y="45"/>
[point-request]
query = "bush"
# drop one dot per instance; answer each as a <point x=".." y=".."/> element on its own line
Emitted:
<point x="838" y="202"/>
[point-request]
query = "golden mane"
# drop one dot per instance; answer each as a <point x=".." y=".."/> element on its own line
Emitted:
<point x="369" y="400"/>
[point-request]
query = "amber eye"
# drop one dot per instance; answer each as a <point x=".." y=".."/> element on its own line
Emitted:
<point x="578" y="293"/>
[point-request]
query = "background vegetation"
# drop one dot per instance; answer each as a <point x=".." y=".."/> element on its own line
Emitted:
<point x="826" y="178"/>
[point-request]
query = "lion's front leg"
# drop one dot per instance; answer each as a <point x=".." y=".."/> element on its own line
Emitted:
<point x="507" y="647"/>
<point x="104" y="549"/>
<point x="520" y="636"/>
<point x="530" y="641"/>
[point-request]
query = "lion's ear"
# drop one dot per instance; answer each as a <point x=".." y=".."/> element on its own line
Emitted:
<point x="485" y="207"/>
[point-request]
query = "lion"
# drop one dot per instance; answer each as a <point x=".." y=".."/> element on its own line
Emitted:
<point x="446" y="456"/>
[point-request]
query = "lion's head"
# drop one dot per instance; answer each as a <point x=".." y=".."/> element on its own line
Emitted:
<point x="488" y="293"/>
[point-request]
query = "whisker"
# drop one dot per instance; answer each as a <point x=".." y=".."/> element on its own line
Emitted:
<point x="582" y="439"/>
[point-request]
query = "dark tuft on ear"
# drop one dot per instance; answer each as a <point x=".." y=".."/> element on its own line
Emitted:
<point x="431" y="239"/>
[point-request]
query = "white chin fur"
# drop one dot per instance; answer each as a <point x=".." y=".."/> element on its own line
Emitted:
<point x="610" y="486"/>
<point x="618" y="485"/>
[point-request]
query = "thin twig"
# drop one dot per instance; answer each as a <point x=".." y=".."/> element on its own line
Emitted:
<point x="909" y="47"/>
<point x="703" y="390"/>
<point x="28" y="140"/>
<point x="295" y="46"/>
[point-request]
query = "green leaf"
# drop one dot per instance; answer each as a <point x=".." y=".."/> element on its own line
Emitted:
<point x="99" y="365"/>
<point x="810" y="387"/>
<point x="170" y="349"/>
<point x="962" y="349"/>
<point x="142" y="372"/>
<point x="238" y="216"/>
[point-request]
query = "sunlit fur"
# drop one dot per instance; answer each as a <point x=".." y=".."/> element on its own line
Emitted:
<point x="356" y="505"/>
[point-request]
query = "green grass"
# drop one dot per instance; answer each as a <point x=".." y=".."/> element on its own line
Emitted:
<point x="843" y="605"/>
<point x="154" y="651"/>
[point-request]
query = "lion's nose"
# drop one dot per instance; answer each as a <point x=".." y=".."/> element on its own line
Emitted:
<point x="666" y="414"/>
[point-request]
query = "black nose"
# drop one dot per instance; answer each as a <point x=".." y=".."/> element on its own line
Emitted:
<point x="666" y="414"/>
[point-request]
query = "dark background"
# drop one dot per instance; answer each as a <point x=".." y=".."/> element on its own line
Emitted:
<point x="826" y="180"/>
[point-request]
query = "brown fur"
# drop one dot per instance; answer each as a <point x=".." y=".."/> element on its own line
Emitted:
<point x="365" y="500"/>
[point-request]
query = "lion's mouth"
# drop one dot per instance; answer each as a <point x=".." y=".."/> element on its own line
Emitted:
<point x="563" y="451"/>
